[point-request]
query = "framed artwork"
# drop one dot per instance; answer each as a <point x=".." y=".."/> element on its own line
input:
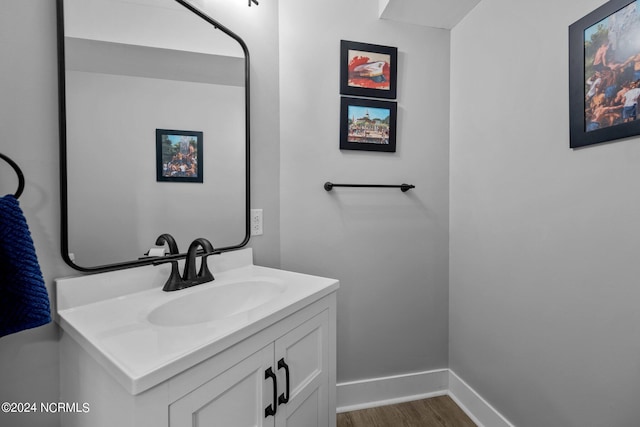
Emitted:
<point x="178" y="155"/>
<point x="604" y="74"/>
<point x="368" y="70"/>
<point x="367" y="124"/>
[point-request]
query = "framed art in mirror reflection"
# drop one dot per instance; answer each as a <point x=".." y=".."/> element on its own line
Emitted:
<point x="179" y="155"/>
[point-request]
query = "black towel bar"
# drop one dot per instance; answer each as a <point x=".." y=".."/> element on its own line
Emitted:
<point x="404" y="187"/>
<point x="18" y="171"/>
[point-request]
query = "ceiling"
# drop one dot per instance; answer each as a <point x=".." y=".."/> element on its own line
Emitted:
<point x="430" y="13"/>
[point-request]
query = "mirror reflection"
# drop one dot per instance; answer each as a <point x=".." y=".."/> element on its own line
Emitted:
<point x="154" y="97"/>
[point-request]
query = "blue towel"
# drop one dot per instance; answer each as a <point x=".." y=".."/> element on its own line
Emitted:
<point x="24" y="301"/>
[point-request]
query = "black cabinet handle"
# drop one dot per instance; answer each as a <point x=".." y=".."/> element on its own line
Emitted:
<point x="271" y="409"/>
<point x="282" y="399"/>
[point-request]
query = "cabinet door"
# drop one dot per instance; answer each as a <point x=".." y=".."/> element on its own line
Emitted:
<point x="236" y="398"/>
<point x="304" y="350"/>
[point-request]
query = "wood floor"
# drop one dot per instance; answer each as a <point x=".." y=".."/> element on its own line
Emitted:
<point x="439" y="411"/>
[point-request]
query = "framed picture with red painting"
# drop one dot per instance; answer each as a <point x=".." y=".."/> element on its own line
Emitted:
<point x="368" y="70"/>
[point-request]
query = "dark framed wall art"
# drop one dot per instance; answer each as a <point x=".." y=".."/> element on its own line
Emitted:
<point x="368" y="70"/>
<point x="179" y="155"/>
<point x="604" y="74"/>
<point x="367" y="124"/>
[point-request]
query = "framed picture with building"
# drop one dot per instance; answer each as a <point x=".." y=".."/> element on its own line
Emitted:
<point x="604" y="74"/>
<point x="179" y="155"/>
<point x="367" y="124"/>
<point x="368" y="70"/>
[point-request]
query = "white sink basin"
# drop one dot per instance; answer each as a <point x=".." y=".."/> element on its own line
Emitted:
<point x="215" y="303"/>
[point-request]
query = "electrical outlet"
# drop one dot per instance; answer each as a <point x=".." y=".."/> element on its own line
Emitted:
<point x="256" y="222"/>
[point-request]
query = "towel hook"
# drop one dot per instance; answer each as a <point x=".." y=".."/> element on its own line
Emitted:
<point x="18" y="171"/>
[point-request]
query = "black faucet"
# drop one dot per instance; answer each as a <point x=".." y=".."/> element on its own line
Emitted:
<point x="170" y="241"/>
<point x="204" y="275"/>
<point x="189" y="277"/>
<point x="174" y="278"/>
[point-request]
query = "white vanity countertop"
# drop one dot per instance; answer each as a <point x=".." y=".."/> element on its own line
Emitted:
<point x="115" y="330"/>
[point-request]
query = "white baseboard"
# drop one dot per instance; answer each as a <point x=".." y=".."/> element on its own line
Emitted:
<point x="476" y="407"/>
<point x="374" y="392"/>
<point x="370" y="393"/>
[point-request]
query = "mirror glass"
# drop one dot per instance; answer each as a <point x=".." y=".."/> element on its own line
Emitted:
<point x="155" y="120"/>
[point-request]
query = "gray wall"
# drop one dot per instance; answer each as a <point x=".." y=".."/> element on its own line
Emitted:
<point x="544" y="240"/>
<point x="388" y="249"/>
<point x="258" y="26"/>
<point x="28" y="120"/>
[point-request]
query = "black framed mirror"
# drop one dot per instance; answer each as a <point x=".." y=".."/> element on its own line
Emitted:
<point x="154" y="131"/>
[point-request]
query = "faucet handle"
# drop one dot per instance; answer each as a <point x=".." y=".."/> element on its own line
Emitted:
<point x="206" y="245"/>
<point x="204" y="274"/>
<point x="174" y="282"/>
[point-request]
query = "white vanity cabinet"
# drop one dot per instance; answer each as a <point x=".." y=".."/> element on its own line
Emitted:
<point x="136" y="356"/>
<point x="284" y="384"/>
<point x="229" y="389"/>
